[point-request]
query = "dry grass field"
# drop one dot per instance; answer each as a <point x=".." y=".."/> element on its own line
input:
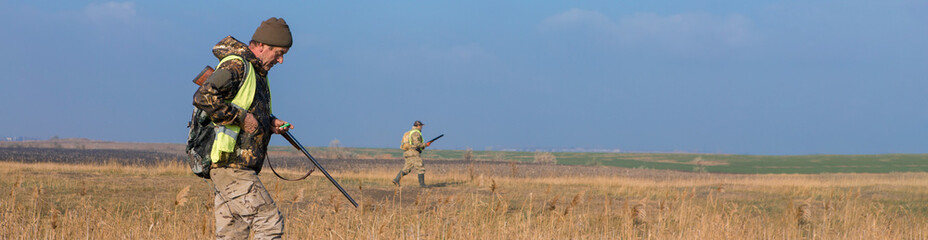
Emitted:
<point x="480" y="200"/>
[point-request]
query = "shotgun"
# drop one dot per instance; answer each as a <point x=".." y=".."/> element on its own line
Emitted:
<point x="436" y="138"/>
<point x="430" y="142"/>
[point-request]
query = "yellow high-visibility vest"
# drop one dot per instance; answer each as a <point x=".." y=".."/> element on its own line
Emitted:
<point x="226" y="134"/>
<point x="407" y="140"/>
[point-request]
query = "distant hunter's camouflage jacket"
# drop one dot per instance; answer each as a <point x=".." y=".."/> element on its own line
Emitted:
<point x="413" y="142"/>
<point x="211" y="97"/>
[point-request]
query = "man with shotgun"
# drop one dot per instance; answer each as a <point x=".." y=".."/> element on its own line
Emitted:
<point x="412" y="146"/>
<point x="237" y="99"/>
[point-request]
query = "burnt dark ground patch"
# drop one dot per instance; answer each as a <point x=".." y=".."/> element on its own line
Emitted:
<point x="96" y="156"/>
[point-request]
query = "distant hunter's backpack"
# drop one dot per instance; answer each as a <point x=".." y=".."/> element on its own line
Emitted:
<point x="405" y="142"/>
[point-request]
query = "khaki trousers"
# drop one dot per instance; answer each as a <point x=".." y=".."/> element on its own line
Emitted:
<point x="413" y="161"/>
<point x="243" y="204"/>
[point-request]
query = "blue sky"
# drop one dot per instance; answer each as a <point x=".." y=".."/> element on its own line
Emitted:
<point x="750" y="77"/>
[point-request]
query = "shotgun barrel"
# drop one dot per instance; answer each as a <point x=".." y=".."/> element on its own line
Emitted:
<point x="297" y="145"/>
<point x="436" y="138"/>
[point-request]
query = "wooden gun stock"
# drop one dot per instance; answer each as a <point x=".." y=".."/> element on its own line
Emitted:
<point x="201" y="78"/>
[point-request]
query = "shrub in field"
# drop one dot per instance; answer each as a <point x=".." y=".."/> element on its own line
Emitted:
<point x="545" y="158"/>
<point x="468" y="154"/>
<point x="336" y="151"/>
<point x="469" y="158"/>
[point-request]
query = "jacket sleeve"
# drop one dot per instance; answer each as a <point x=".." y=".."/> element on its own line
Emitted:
<point x="220" y="87"/>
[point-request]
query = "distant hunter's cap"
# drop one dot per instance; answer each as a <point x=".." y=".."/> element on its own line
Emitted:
<point x="274" y="32"/>
<point x="418" y="123"/>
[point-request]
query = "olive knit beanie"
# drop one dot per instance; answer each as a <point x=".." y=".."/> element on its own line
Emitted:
<point x="274" y="32"/>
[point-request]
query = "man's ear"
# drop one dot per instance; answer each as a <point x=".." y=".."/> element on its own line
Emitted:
<point x="257" y="47"/>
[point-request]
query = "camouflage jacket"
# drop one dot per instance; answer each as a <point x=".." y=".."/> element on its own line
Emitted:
<point x="413" y="141"/>
<point x="211" y="97"/>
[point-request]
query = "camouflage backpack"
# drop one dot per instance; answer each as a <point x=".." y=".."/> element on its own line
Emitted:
<point x="201" y="135"/>
<point x="405" y="142"/>
<point x="200" y="143"/>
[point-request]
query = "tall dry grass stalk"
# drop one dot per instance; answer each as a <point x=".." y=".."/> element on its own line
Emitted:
<point x="181" y="198"/>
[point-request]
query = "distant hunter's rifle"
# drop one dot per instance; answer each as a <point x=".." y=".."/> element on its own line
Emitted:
<point x="297" y="145"/>
<point x="436" y="138"/>
<point x="430" y="142"/>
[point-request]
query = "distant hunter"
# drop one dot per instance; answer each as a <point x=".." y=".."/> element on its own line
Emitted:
<point x="412" y="146"/>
